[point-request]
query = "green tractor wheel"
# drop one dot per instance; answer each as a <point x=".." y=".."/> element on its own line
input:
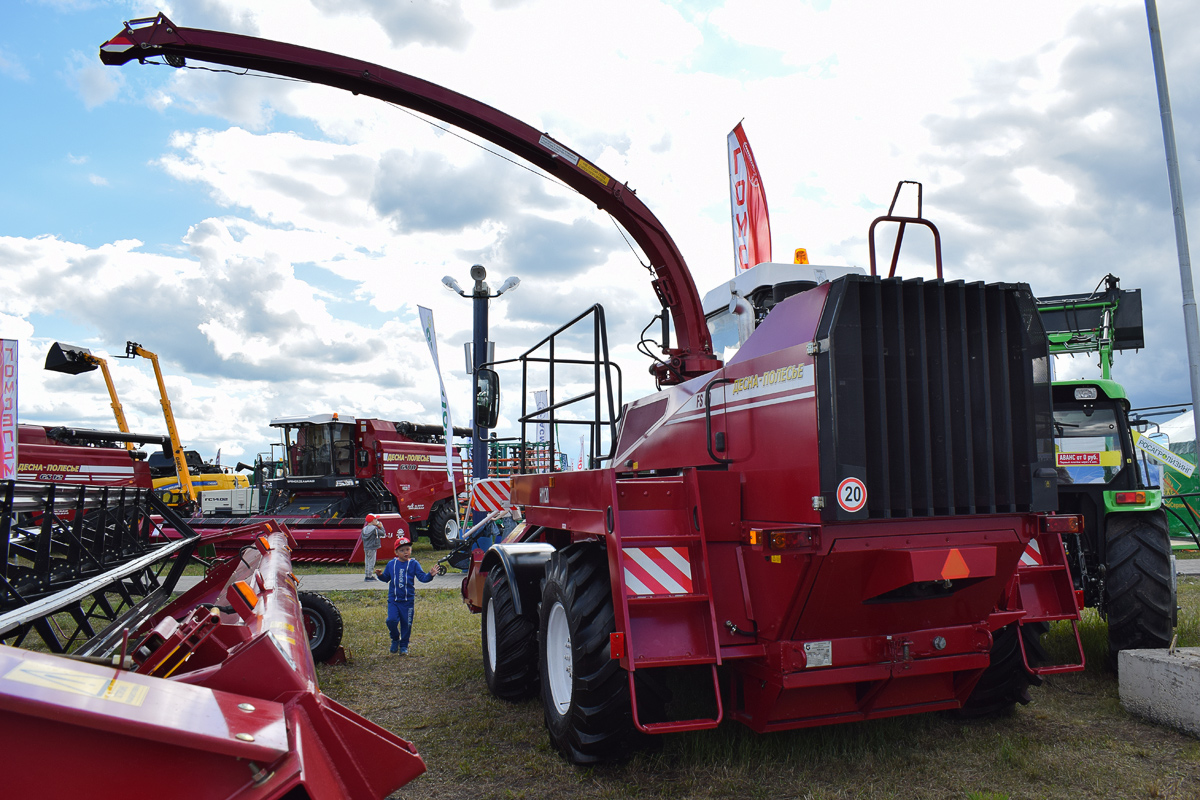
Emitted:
<point x="1139" y="597"/>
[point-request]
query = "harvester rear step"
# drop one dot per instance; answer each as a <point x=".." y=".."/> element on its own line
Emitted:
<point x="681" y="725"/>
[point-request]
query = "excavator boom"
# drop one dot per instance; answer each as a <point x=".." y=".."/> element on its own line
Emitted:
<point x="159" y="37"/>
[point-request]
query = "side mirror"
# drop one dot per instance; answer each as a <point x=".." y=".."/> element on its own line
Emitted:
<point x="487" y="398"/>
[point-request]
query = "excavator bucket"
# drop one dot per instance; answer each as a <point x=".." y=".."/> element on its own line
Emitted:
<point x="68" y="359"/>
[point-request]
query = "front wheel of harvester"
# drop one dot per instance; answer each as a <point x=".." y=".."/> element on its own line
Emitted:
<point x="1006" y="681"/>
<point x="510" y="649"/>
<point x="1139" y="601"/>
<point x="440" y="527"/>
<point x="585" y="694"/>
<point x="322" y="623"/>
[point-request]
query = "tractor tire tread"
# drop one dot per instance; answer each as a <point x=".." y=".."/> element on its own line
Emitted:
<point x="332" y="627"/>
<point x="516" y="674"/>
<point x="599" y="723"/>
<point x="1139" y="602"/>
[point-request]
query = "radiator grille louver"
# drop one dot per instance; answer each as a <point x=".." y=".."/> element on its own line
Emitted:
<point x="937" y="396"/>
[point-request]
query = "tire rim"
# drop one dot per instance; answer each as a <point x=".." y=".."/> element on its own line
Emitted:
<point x="490" y="638"/>
<point x="315" y="627"/>
<point x="559" y="662"/>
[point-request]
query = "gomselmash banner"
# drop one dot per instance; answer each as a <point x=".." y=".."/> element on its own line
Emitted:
<point x="431" y="340"/>
<point x="8" y="410"/>
<point x="748" y="201"/>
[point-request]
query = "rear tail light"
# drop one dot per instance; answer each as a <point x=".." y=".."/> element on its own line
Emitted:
<point x="1130" y="498"/>
<point x="1062" y="523"/>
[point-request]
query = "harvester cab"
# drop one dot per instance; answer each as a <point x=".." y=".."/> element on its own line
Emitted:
<point x="340" y="466"/>
<point x="734" y="309"/>
<point x="1121" y="559"/>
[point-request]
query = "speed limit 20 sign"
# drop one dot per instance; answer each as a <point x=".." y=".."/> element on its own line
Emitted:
<point x="852" y="495"/>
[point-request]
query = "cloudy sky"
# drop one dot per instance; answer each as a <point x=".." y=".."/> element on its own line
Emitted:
<point x="271" y="240"/>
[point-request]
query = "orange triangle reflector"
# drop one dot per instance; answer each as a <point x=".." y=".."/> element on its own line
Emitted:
<point x="955" y="567"/>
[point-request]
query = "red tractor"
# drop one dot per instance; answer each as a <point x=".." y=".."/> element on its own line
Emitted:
<point x="829" y="527"/>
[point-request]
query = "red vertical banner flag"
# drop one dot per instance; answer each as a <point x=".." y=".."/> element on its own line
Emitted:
<point x="8" y="410"/>
<point x="748" y="201"/>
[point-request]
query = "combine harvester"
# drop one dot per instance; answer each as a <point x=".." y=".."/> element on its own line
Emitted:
<point x="835" y="519"/>
<point x="337" y="469"/>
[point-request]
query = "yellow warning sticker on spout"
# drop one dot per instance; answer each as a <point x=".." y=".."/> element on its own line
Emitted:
<point x="594" y="172"/>
<point x="52" y="676"/>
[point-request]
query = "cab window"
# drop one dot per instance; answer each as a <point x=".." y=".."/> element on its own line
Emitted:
<point x="1087" y="447"/>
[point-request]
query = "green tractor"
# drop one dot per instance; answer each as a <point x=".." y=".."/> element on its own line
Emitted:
<point x="1121" y="560"/>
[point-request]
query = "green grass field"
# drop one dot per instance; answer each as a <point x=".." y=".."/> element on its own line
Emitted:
<point x="1073" y="741"/>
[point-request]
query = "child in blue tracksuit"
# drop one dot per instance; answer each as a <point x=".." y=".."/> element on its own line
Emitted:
<point x="402" y="592"/>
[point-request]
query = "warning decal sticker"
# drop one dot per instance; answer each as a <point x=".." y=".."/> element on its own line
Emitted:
<point x="53" y="676"/>
<point x="594" y="172"/>
<point x="852" y="495"/>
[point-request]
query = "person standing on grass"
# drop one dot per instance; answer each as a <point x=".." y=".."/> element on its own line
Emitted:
<point x="371" y="534"/>
<point x="401" y="573"/>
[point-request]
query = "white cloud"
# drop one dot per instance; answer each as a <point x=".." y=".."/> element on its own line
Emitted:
<point x="11" y="67"/>
<point x="95" y="83"/>
<point x="97" y="180"/>
<point x="1043" y="188"/>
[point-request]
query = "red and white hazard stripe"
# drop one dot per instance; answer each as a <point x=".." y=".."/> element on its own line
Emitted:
<point x="1032" y="557"/>
<point x="657" y="570"/>
<point x="118" y="44"/>
<point x="491" y="494"/>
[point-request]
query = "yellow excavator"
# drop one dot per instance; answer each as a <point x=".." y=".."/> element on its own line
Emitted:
<point x="192" y="475"/>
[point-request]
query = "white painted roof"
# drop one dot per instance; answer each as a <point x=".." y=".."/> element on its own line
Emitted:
<point x="770" y="273"/>
<point x="317" y="419"/>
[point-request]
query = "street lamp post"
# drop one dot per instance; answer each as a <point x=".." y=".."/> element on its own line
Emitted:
<point x="479" y="295"/>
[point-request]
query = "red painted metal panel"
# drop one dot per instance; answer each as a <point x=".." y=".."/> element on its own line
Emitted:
<point x="220" y="704"/>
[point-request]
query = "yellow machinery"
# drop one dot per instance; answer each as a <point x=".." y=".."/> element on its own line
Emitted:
<point x="181" y="467"/>
<point x="75" y="360"/>
<point x="192" y="475"/>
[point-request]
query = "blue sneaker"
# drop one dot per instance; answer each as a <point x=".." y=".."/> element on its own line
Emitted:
<point x="403" y="651"/>
<point x="395" y="645"/>
<point x="370" y="578"/>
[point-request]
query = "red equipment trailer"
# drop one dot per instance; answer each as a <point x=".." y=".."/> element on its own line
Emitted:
<point x="835" y="519"/>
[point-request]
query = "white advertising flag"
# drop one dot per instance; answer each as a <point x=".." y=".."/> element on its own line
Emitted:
<point x="431" y="340"/>
<point x="8" y="409"/>
<point x="543" y="428"/>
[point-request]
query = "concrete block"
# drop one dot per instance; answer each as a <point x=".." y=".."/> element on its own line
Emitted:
<point x="1162" y="687"/>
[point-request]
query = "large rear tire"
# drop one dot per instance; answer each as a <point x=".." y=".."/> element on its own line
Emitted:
<point x="322" y="624"/>
<point x="585" y="693"/>
<point x="1006" y="681"/>
<point x="1139" y="598"/>
<point x="509" y="641"/>
<point x="440" y="526"/>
